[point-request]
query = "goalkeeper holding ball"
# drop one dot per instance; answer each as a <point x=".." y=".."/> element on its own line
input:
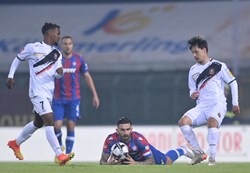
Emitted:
<point x="140" y="152"/>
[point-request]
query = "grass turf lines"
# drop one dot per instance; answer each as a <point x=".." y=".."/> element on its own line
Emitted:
<point x="82" y="167"/>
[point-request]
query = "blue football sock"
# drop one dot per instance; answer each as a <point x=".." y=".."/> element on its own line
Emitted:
<point x="59" y="136"/>
<point x="174" y="154"/>
<point x="70" y="140"/>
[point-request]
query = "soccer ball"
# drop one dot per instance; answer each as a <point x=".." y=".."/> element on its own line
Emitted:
<point x="120" y="151"/>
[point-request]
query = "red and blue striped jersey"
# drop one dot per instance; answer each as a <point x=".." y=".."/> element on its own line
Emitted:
<point x="68" y="87"/>
<point x="138" y="146"/>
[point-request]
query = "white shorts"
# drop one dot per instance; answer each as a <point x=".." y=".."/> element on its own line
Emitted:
<point x="200" y="115"/>
<point x="41" y="105"/>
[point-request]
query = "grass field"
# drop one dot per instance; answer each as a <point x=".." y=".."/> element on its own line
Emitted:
<point x="33" y="167"/>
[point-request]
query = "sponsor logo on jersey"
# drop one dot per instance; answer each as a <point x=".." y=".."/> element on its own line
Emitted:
<point x="69" y="70"/>
<point x="38" y="54"/>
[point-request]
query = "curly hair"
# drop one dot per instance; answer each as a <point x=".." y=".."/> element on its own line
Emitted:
<point x="48" y="26"/>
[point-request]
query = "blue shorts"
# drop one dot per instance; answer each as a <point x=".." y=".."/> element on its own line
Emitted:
<point x="160" y="158"/>
<point x="66" y="109"/>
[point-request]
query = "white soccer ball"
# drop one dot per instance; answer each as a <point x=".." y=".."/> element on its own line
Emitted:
<point x="119" y="151"/>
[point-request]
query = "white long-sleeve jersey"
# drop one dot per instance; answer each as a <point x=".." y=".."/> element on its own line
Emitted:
<point x="41" y="76"/>
<point x="214" y="89"/>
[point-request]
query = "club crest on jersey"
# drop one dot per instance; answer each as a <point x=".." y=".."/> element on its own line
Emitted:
<point x="211" y="71"/>
<point x="134" y="148"/>
<point x="56" y="56"/>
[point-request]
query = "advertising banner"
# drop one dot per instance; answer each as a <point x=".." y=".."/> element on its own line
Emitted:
<point x="132" y="37"/>
<point x="233" y="145"/>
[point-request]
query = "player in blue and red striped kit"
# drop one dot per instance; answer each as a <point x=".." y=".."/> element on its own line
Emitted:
<point x="66" y="101"/>
<point x="140" y="151"/>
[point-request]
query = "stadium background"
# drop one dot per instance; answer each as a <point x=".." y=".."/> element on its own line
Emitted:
<point x="147" y="84"/>
<point x="137" y="55"/>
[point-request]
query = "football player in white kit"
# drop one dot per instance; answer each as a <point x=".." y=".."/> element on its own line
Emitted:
<point x="211" y="103"/>
<point x="45" y="63"/>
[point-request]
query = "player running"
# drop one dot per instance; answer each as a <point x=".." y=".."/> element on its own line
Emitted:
<point x="45" y="64"/>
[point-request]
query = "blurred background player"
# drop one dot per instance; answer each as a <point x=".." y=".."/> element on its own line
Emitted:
<point x="45" y="63"/>
<point x="66" y="101"/>
<point x="211" y="101"/>
<point x="140" y="151"/>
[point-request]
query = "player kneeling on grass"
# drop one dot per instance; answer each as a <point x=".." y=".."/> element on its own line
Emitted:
<point x="140" y="152"/>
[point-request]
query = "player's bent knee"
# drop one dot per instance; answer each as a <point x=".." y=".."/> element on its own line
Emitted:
<point x="38" y="121"/>
<point x="48" y="119"/>
<point x="180" y="123"/>
<point x="38" y="124"/>
<point x="212" y="122"/>
<point x="184" y="121"/>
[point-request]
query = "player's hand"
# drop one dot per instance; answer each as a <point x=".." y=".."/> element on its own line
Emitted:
<point x="113" y="161"/>
<point x="60" y="71"/>
<point x="129" y="161"/>
<point x="195" y="95"/>
<point x="236" y="110"/>
<point x="96" y="101"/>
<point x="10" y="83"/>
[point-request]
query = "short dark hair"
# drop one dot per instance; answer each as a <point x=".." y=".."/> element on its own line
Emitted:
<point x="124" y="120"/>
<point x="66" y="37"/>
<point x="198" y="41"/>
<point x="49" y="26"/>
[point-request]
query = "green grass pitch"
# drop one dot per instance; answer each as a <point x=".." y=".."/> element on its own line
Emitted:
<point x="82" y="167"/>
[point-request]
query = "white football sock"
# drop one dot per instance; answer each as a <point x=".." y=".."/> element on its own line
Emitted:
<point x="52" y="139"/>
<point x="26" y="133"/>
<point x="190" y="137"/>
<point x="213" y="138"/>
